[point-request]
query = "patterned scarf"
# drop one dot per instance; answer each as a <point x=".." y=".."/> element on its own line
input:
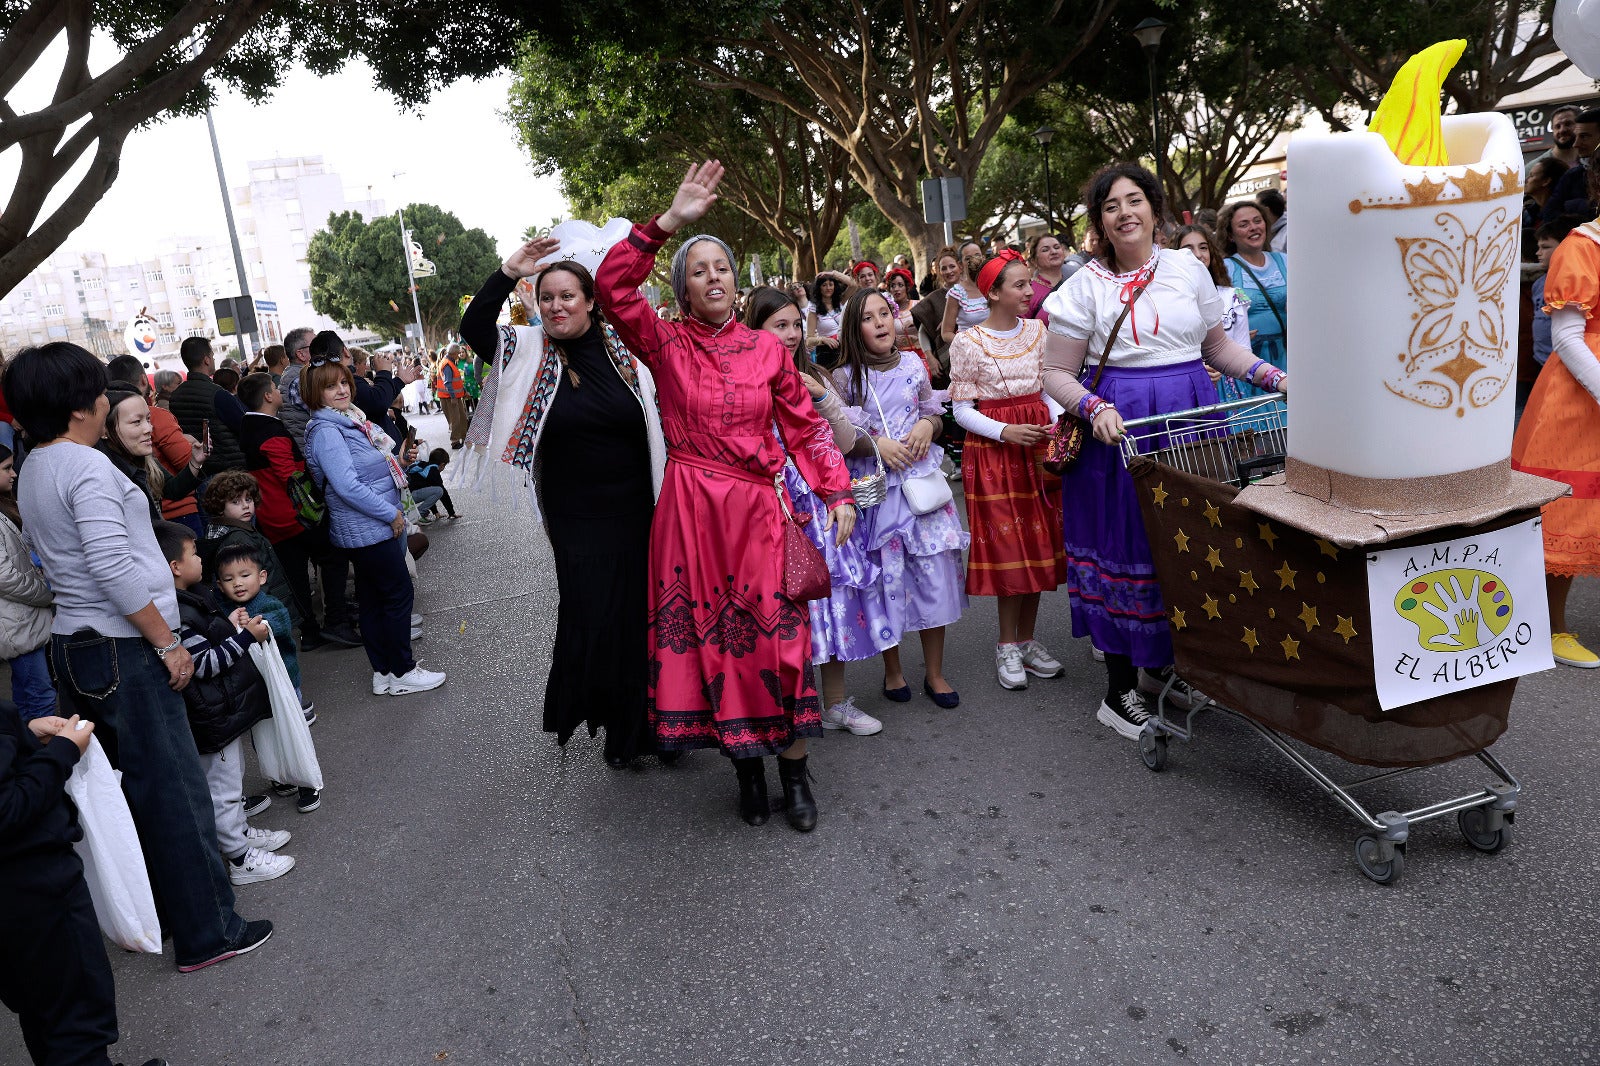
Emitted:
<point x="385" y="447"/>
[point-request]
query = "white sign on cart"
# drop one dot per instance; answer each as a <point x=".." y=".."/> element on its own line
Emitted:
<point x="1458" y="614"/>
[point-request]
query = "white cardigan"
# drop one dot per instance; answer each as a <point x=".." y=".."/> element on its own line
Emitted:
<point x="517" y="378"/>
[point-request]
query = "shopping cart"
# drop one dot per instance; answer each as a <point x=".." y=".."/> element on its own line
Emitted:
<point x="1234" y="583"/>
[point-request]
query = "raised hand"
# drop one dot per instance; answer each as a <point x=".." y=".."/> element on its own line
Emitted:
<point x="524" y="262"/>
<point x="695" y="196"/>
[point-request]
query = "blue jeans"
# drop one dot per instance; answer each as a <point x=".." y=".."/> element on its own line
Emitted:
<point x="120" y="684"/>
<point x="386" y="597"/>
<point x="427" y="496"/>
<point x="31" y="688"/>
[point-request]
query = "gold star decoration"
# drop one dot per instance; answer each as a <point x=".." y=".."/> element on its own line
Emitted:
<point x="1210" y="607"/>
<point x="1247" y="581"/>
<point x="1159" y="495"/>
<point x="1249" y="640"/>
<point x="1178" y="621"/>
<point x="1285" y="577"/>
<point x="1213" y="515"/>
<point x="1214" y="558"/>
<point x="1346" y="627"/>
<point x="1326" y="548"/>
<point x="1308" y="615"/>
<point x="1291" y="647"/>
<point x="1268" y="535"/>
<point x="1182" y="541"/>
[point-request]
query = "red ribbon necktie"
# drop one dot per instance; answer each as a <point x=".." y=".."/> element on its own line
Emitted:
<point x="1130" y="292"/>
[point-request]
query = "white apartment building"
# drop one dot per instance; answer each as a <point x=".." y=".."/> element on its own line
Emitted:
<point x="284" y="203"/>
<point x="81" y="297"/>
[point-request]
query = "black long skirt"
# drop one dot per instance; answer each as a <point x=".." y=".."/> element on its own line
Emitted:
<point x="598" y="668"/>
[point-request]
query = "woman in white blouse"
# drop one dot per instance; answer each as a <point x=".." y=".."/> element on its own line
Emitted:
<point x="1162" y="309"/>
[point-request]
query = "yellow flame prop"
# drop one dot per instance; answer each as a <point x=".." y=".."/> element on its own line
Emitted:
<point x="1408" y="116"/>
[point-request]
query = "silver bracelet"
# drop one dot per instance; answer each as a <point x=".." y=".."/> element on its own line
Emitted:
<point x="162" y="653"/>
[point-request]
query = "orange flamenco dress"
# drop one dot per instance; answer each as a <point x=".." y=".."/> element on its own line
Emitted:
<point x="1559" y="435"/>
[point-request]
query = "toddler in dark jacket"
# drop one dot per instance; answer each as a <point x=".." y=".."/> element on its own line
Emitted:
<point x="225" y="699"/>
<point x="55" y="977"/>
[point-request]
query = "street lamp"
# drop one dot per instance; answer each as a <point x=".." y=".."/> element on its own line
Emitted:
<point x="1044" y="135"/>
<point x="1148" y="34"/>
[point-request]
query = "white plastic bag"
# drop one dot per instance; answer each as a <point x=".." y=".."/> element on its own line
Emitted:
<point x="113" y="862"/>
<point x="283" y="742"/>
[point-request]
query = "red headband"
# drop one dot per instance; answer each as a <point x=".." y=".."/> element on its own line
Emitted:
<point x="911" y="282"/>
<point x="855" y="271"/>
<point x="994" y="268"/>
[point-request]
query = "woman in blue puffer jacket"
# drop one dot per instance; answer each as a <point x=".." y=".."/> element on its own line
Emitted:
<point x="353" y="462"/>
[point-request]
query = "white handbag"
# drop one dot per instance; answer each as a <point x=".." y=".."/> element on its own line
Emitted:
<point x="113" y="861"/>
<point x="283" y="742"/>
<point x="924" y="493"/>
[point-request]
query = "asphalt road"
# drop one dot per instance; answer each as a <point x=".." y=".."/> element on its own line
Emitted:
<point x="1001" y="883"/>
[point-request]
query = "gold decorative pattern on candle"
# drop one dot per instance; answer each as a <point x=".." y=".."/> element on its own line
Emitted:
<point x="1474" y="186"/>
<point x="1457" y="353"/>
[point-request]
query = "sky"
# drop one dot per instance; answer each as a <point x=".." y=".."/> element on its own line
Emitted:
<point x="456" y="152"/>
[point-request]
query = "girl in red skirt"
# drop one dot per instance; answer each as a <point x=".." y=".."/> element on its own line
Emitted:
<point x="1013" y="506"/>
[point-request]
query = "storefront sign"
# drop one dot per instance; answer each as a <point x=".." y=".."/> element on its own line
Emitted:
<point x="1533" y="122"/>
<point x="1458" y="614"/>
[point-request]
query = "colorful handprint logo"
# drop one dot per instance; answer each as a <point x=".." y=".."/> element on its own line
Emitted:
<point x="1455" y="610"/>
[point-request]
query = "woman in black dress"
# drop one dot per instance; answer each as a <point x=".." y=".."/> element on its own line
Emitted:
<point x="576" y="412"/>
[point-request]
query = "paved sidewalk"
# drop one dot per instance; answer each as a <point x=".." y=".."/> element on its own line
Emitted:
<point x="1002" y="883"/>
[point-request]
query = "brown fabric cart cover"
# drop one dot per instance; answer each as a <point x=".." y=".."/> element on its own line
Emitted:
<point x="1273" y="622"/>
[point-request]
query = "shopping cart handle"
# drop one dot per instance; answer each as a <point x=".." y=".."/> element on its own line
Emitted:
<point x="1266" y="464"/>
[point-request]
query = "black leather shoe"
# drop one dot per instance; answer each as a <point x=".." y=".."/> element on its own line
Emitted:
<point x="343" y="634"/>
<point x="798" y="803"/>
<point x="616" y="762"/>
<point x="754" y="806"/>
<point x="670" y="758"/>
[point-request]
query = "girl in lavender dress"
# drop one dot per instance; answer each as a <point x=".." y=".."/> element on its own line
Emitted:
<point x="923" y="579"/>
<point x="852" y="623"/>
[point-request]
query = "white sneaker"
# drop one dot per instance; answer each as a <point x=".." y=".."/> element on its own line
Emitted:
<point x="1038" y="662"/>
<point x="416" y="680"/>
<point x="416" y="620"/>
<point x="416" y="632"/>
<point x="846" y="715"/>
<point x="266" y="839"/>
<point x="1127" y="717"/>
<point x="259" y="865"/>
<point x="1008" y="666"/>
<point x="1096" y="654"/>
<point x="381" y="684"/>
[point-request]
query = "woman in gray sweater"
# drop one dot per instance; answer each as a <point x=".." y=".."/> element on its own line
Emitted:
<point x="117" y="657"/>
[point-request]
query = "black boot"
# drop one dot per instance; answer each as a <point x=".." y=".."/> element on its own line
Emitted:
<point x="753" y="805"/>
<point x="797" y="799"/>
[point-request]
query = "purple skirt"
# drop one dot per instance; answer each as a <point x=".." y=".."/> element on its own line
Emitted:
<point x="853" y="622"/>
<point x="1111" y="581"/>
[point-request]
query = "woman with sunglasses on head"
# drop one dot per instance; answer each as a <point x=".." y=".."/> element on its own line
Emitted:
<point x="1131" y="335"/>
<point x="575" y="413"/>
<point x="730" y="654"/>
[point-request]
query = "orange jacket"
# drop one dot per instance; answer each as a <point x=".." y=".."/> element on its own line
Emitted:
<point x="172" y="451"/>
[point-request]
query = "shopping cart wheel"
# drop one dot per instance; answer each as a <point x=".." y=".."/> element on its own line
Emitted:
<point x="1474" y="823"/>
<point x="1370" y="848"/>
<point x="1153" y="749"/>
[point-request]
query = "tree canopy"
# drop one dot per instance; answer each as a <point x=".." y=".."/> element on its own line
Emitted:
<point x="358" y="270"/>
<point x="173" y="57"/>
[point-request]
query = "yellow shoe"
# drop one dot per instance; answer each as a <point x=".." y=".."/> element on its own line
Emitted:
<point x="1570" y="652"/>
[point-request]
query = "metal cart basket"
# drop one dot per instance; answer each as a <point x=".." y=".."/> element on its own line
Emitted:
<point x="1273" y="624"/>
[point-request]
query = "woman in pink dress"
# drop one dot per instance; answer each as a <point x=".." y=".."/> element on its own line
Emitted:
<point x="730" y="655"/>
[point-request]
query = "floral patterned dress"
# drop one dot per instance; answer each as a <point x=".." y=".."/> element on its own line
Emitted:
<point x="729" y="655"/>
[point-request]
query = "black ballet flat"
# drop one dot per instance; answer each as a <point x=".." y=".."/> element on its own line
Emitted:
<point x="670" y="758"/>
<point x="943" y="699"/>
<point x="898" y="695"/>
<point x="617" y="762"/>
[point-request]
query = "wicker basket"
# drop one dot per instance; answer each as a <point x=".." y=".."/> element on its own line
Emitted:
<point x="874" y="488"/>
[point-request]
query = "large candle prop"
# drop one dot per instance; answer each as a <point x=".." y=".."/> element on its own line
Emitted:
<point x="1402" y="307"/>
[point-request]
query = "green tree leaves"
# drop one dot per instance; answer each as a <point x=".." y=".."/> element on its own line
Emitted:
<point x="358" y="267"/>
